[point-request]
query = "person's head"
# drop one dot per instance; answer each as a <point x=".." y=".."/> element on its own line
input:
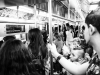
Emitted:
<point x="36" y="42"/>
<point x="15" y="58"/>
<point x="58" y="37"/>
<point x="6" y="38"/>
<point x="83" y="27"/>
<point x="89" y="50"/>
<point x="45" y="36"/>
<point x="67" y="26"/>
<point x="35" y="36"/>
<point x="76" y="54"/>
<point x="92" y="26"/>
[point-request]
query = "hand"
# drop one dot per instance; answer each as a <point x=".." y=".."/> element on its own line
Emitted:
<point x="53" y="49"/>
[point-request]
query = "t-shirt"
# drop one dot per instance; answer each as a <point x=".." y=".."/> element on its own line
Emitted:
<point x="69" y="36"/>
<point x="59" y="45"/>
<point x="94" y="67"/>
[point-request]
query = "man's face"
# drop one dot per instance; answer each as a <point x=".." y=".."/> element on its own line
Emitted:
<point x="86" y="34"/>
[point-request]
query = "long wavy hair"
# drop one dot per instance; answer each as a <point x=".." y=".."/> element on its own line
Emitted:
<point x="36" y="41"/>
<point x="16" y="59"/>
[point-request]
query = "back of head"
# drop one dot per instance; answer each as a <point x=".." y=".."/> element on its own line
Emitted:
<point x="93" y="18"/>
<point x="45" y="36"/>
<point x="59" y="37"/>
<point x="67" y="24"/>
<point x="36" y="40"/>
<point x="15" y="58"/>
<point x="6" y="38"/>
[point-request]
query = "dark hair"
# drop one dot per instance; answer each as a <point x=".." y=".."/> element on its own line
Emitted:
<point x="39" y="50"/>
<point x="15" y="59"/>
<point x="36" y="40"/>
<point x="1" y="42"/>
<point x="67" y="24"/>
<point x="89" y="50"/>
<point x="83" y="27"/>
<point x="6" y="38"/>
<point x="94" y="18"/>
<point x="45" y="36"/>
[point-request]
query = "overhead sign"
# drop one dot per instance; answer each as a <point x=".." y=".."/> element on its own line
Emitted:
<point x="15" y="28"/>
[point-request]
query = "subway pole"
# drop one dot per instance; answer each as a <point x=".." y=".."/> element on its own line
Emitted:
<point x="50" y="33"/>
<point x="69" y="10"/>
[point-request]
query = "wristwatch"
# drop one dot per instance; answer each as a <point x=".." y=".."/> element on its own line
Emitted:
<point x="59" y="57"/>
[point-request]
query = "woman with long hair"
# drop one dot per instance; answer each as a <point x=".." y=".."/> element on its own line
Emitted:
<point x="39" y="51"/>
<point x="16" y="59"/>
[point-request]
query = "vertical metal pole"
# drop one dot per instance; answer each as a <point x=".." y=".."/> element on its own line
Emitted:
<point x="35" y="13"/>
<point x="2" y="4"/>
<point x="69" y="10"/>
<point x="50" y="32"/>
<point x="75" y="17"/>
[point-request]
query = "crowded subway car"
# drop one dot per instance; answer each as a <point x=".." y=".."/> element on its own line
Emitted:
<point x="48" y="37"/>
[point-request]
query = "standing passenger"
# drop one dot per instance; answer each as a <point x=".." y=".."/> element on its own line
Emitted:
<point x="38" y="49"/>
<point x="92" y="37"/>
<point x="16" y="59"/>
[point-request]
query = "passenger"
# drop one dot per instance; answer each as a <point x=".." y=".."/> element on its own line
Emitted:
<point x="89" y="53"/>
<point x="39" y="51"/>
<point x="64" y="34"/>
<point x="45" y="37"/>
<point x="76" y="32"/>
<point x="9" y="37"/>
<point x="16" y="59"/>
<point x="92" y="37"/>
<point x="69" y="36"/>
<point x="59" y="43"/>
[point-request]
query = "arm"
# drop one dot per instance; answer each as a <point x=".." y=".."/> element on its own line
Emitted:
<point x="68" y="65"/>
<point x="72" y="67"/>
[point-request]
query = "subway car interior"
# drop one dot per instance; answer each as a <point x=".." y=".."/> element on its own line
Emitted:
<point x="43" y="25"/>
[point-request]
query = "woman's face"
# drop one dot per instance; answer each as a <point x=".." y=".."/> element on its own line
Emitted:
<point x="86" y="34"/>
<point x="74" y="55"/>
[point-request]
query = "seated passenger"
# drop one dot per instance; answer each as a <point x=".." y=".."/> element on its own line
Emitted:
<point x="16" y="59"/>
